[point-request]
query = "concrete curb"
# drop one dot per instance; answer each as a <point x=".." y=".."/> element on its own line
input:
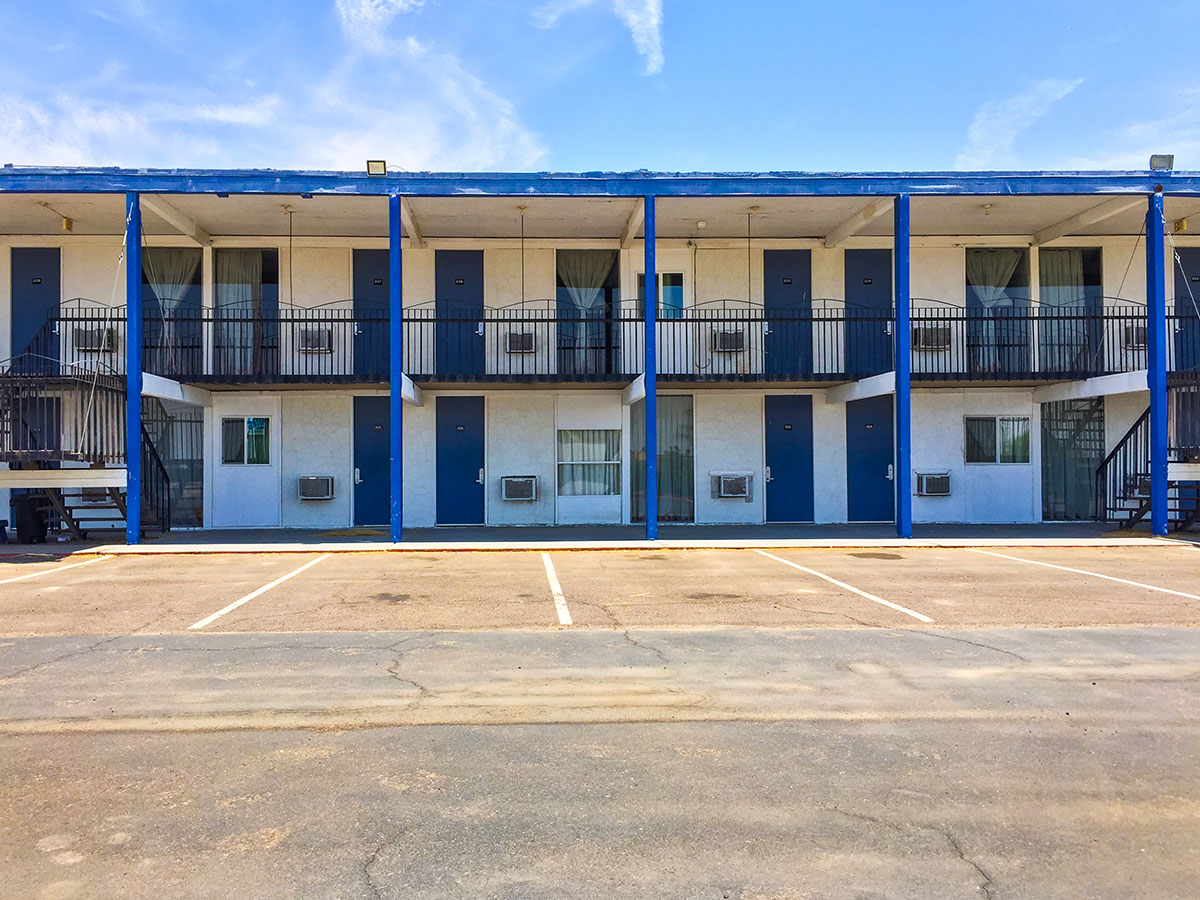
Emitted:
<point x="562" y="546"/>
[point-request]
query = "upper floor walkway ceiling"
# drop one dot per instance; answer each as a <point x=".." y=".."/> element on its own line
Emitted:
<point x="580" y="207"/>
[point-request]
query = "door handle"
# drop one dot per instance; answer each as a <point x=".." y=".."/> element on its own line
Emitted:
<point x="479" y="480"/>
<point x="767" y="475"/>
<point x="357" y="476"/>
<point x="357" y="329"/>
<point x="479" y="330"/>
<point x="887" y="327"/>
<point x="891" y="475"/>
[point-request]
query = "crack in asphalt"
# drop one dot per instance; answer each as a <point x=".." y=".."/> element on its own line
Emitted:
<point x="82" y="651"/>
<point x="986" y="888"/>
<point x="620" y="626"/>
<point x="366" y="869"/>
<point x="980" y="644"/>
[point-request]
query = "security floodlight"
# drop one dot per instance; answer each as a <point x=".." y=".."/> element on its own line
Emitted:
<point x="1161" y="162"/>
<point x="376" y="168"/>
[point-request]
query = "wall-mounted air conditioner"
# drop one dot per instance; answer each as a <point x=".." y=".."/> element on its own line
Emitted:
<point x="732" y="485"/>
<point x="933" y="484"/>
<point x="518" y="487"/>
<point x="315" y="340"/>
<point x="316" y="487"/>
<point x="519" y="342"/>
<point x="931" y="337"/>
<point x="95" y="340"/>
<point x="1135" y="337"/>
<point x="728" y="341"/>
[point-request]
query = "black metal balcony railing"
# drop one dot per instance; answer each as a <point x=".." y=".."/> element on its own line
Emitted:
<point x="542" y="342"/>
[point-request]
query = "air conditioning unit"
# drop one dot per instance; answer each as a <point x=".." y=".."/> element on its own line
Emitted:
<point x="518" y="487"/>
<point x="315" y="340"/>
<point x="316" y="487"/>
<point x="95" y="340"/>
<point x="933" y="484"/>
<point x="1135" y="337"/>
<point x="931" y="337"/>
<point x="728" y="341"/>
<point x="519" y="342"/>
<point x="732" y="485"/>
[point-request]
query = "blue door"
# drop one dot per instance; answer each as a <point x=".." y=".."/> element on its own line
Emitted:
<point x="868" y="312"/>
<point x="36" y="286"/>
<point x="372" y="455"/>
<point x="459" y="456"/>
<point x="787" y="302"/>
<point x="789" y="458"/>
<point x="370" y="285"/>
<point x="458" y="281"/>
<point x="1187" y="310"/>
<point x="870" y="483"/>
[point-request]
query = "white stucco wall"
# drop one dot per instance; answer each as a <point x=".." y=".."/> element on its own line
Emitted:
<point x="95" y="272"/>
<point x="939" y="273"/>
<point x="728" y="438"/>
<point x="1120" y="412"/>
<point x="988" y="493"/>
<point x="317" y="438"/>
<point x="502" y="276"/>
<point x="420" y="465"/>
<point x="520" y="441"/>
<point x="829" y="460"/>
<point x="320" y="274"/>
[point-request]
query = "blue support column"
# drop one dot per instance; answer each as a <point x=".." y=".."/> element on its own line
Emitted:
<point x="903" y="364"/>
<point x="651" y="375"/>
<point x="396" y="364"/>
<point x="133" y="369"/>
<point x="1156" y="376"/>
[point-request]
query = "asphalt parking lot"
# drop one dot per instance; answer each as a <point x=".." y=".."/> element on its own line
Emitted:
<point x="533" y="590"/>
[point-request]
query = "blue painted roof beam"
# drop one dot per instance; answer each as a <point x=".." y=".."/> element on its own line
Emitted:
<point x="592" y="184"/>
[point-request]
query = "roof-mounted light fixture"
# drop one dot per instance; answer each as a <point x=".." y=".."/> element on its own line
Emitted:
<point x="1162" y="162"/>
<point x="376" y="168"/>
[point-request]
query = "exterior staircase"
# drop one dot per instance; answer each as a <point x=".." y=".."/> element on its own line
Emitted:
<point x="68" y="424"/>
<point x="1123" y="478"/>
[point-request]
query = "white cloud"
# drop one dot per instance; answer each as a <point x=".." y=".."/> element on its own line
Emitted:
<point x="999" y="123"/>
<point x="366" y="21"/>
<point x="1175" y="131"/>
<point x="643" y="18"/>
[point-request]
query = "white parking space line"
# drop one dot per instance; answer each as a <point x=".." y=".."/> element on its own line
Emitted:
<point x="920" y="617"/>
<point x="1035" y="562"/>
<point x="560" y="602"/>
<point x="208" y="620"/>
<point x="86" y="562"/>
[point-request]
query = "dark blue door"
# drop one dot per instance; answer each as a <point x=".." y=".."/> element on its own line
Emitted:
<point x="36" y="286"/>
<point x="868" y="312"/>
<point x="787" y="302"/>
<point x="458" y="281"/>
<point x="870" y="484"/>
<point x="1187" y="310"/>
<point x="372" y="455"/>
<point x="789" y="458"/>
<point x="370" y="285"/>
<point x="459" y="460"/>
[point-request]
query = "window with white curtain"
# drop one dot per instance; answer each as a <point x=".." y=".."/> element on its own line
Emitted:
<point x="996" y="439"/>
<point x="589" y="462"/>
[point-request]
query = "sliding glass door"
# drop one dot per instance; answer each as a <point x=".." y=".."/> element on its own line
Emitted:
<point x="676" y="460"/>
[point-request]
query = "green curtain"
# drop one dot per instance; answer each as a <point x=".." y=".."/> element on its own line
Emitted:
<point x="676" y="460"/>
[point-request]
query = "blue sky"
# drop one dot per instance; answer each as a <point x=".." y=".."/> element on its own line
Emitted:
<point x="581" y="85"/>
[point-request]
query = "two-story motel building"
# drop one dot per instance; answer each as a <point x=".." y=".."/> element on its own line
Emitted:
<point x="332" y="349"/>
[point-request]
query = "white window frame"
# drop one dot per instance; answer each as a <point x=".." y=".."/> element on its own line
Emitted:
<point x="245" y="420"/>
<point x="559" y="463"/>
<point x="996" y="460"/>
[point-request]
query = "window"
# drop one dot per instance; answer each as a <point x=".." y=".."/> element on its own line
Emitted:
<point x="589" y="462"/>
<point x="246" y="441"/>
<point x="997" y="439"/>
<point x="670" y="295"/>
<point x="247" y="312"/>
<point x="676" y="460"/>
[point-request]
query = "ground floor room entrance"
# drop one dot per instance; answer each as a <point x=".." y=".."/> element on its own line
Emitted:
<point x="870" y="460"/>
<point x="789" y="457"/>
<point x="372" y="456"/>
<point x="460" y="460"/>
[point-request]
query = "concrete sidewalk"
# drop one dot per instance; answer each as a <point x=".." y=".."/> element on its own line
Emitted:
<point x="625" y="537"/>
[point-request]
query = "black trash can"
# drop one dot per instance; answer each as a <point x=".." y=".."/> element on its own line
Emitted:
<point x="28" y="520"/>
